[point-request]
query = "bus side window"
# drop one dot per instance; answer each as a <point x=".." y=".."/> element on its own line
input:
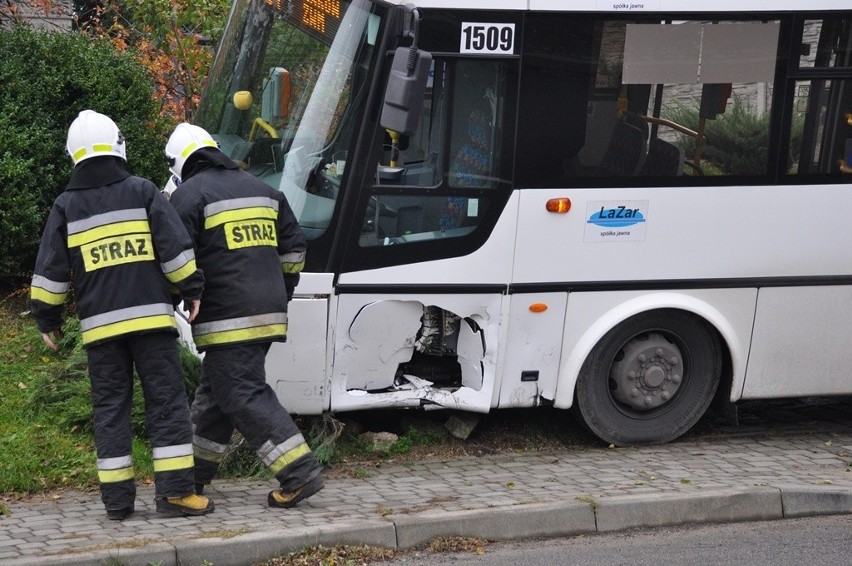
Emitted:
<point x="701" y="92"/>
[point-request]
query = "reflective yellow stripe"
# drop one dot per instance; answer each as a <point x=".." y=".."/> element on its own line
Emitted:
<point x="207" y="455"/>
<point x="182" y="273"/>
<point x="127" y="326"/>
<point x="79" y="153"/>
<point x="192" y="145"/>
<point x="38" y="294"/>
<point x="293" y="267"/>
<point x="112" y="476"/>
<point x="240" y="214"/>
<point x="289" y="457"/>
<point x="107" y="231"/>
<point x="171" y="464"/>
<point x="240" y="335"/>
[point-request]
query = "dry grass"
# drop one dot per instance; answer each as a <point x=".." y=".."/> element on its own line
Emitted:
<point x="359" y="555"/>
<point x="334" y="556"/>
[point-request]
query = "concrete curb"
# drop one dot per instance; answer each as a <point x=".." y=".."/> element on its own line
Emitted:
<point x="498" y="523"/>
<point x="157" y="553"/>
<point x="808" y="501"/>
<point x="751" y="504"/>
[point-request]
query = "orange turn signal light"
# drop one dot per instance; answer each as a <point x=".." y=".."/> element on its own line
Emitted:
<point x="559" y="205"/>
<point x="538" y="307"/>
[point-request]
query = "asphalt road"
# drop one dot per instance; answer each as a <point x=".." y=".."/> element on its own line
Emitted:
<point x="811" y="541"/>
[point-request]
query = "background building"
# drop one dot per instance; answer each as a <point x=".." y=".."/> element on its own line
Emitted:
<point x="57" y="18"/>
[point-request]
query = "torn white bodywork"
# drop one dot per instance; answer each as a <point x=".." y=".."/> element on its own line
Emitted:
<point x="376" y="363"/>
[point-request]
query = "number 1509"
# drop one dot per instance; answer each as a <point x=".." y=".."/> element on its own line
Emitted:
<point x="487" y="38"/>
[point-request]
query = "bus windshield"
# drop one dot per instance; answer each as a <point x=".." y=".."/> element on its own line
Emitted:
<point x="282" y="96"/>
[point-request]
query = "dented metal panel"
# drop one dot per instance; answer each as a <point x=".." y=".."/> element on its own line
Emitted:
<point x="376" y="362"/>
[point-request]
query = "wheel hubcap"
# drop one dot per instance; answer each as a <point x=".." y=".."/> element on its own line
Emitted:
<point x="648" y="372"/>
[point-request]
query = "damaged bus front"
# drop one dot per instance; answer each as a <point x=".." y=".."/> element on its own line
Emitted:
<point x="295" y="97"/>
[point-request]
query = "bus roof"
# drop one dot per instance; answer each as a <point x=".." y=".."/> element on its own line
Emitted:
<point x="635" y="5"/>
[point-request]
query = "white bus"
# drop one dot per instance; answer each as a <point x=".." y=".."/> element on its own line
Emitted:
<point x="628" y="209"/>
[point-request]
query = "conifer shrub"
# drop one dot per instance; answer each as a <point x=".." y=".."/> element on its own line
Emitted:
<point x="736" y="141"/>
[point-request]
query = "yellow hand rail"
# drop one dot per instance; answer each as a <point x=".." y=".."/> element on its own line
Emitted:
<point x="260" y="122"/>
<point x="670" y="124"/>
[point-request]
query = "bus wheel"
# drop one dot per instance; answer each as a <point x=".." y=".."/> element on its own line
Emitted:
<point x="649" y="379"/>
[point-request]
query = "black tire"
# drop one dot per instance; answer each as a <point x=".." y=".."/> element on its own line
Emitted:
<point x="649" y="379"/>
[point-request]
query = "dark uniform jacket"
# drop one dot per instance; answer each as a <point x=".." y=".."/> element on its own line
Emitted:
<point x="249" y="245"/>
<point x="124" y="244"/>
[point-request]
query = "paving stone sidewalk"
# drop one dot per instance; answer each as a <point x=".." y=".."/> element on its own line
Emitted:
<point x="557" y="493"/>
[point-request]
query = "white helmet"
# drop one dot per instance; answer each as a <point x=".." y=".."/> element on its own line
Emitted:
<point x="92" y="134"/>
<point x="184" y="141"/>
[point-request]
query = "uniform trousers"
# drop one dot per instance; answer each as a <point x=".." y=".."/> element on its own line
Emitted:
<point x="157" y="362"/>
<point x="233" y="393"/>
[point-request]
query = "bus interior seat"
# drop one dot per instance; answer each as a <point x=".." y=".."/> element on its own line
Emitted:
<point x="473" y="159"/>
<point x="409" y="220"/>
<point x="625" y="153"/>
<point x="664" y="159"/>
<point x="471" y="167"/>
<point x="636" y="120"/>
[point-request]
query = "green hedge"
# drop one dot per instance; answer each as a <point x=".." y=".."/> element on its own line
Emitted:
<point x="48" y="78"/>
<point x="736" y="142"/>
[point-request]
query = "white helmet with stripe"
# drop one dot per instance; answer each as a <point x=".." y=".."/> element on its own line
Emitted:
<point x="184" y="141"/>
<point x="92" y="134"/>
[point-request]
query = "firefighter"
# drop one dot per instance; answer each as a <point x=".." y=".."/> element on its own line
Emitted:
<point x="250" y="246"/>
<point x="125" y="246"/>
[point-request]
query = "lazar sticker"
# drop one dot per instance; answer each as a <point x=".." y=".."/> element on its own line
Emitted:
<point x="616" y="221"/>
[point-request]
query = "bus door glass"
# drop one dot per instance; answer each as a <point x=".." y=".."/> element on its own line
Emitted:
<point x="821" y="134"/>
<point x="283" y="101"/>
<point x="430" y="186"/>
<point x="285" y="97"/>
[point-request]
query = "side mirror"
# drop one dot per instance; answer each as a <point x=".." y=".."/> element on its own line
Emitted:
<point x="406" y="90"/>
